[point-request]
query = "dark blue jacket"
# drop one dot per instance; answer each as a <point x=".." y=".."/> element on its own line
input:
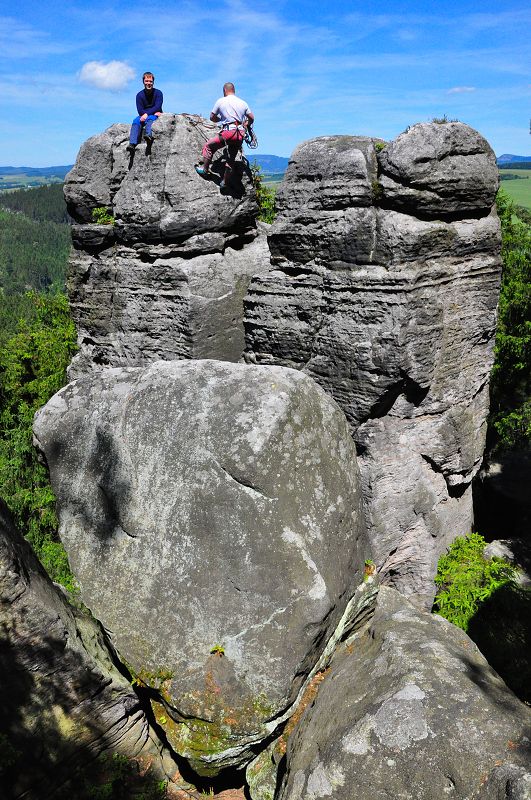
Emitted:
<point x="142" y="103"/>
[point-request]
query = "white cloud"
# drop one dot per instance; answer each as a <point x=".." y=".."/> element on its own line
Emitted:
<point x="461" y="89"/>
<point x="113" y="75"/>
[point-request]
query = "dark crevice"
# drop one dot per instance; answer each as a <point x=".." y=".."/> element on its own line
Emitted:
<point x="93" y="249"/>
<point x="479" y="389"/>
<point x="361" y="447"/>
<point x="298" y="271"/>
<point x="385" y="403"/>
<point x="282" y="768"/>
<point x="412" y="210"/>
<point x="241" y="238"/>
<point x="98" y="358"/>
<point x="454" y="491"/>
<point x="247" y="484"/>
<point x="413" y="392"/>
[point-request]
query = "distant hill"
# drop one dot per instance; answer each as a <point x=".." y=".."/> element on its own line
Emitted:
<point x="507" y="158"/>
<point x="270" y="165"/>
<point x="44" y="172"/>
<point x="29" y="177"/>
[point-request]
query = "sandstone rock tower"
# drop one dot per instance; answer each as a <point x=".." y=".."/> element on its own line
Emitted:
<point x="265" y="423"/>
<point x="386" y="268"/>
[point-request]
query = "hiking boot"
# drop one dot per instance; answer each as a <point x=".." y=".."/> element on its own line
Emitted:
<point x="205" y="173"/>
<point x="131" y="147"/>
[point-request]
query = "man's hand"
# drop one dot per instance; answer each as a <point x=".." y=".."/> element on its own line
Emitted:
<point x="143" y="118"/>
<point x="157" y="113"/>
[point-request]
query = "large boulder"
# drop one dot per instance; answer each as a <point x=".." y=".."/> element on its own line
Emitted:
<point x="64" y="701"/>
<point x="410" y="709"/>
<point x="166" y="280"/>
<point x="439" y="170"/>
<point x="390" y="305"/>
<point x="211" y="513"/>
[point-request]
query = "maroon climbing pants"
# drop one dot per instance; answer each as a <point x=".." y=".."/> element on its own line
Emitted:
<point x="232" y="137"/>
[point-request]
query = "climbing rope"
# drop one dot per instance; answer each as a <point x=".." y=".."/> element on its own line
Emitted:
<point x="195" y="120"/>
<point x="250" y="138"/>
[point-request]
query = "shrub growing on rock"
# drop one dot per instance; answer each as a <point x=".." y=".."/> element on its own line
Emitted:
<point x="465" y="579"/>
<point x="264" y="195"/>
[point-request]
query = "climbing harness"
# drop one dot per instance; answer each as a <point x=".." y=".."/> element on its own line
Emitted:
<point x="249" y="136"/>
<point x="227" y="153"/>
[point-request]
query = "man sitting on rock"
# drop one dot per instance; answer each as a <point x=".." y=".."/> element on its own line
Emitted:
<point x="149" y="107"/>
<point x="234" y="115"/>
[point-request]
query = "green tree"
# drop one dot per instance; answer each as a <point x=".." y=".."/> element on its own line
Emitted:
<point x="45" y="203"/>
<point x="33" y="253"/>
<point x="264" y="195"/>
<point x="511" y="375"/>
<point x="33" y="365"/>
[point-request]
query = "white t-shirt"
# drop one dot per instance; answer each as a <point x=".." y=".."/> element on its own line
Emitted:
<point x="231" y="109"/>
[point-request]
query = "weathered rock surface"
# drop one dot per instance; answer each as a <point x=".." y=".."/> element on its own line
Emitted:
<point x="439" y="170"/>
<point x="211" y="513"/>
<point x="410" y="709"/>
<point x="167" y="279"/>
<point x="384" y="290"/>
<point x="63" y="700"/>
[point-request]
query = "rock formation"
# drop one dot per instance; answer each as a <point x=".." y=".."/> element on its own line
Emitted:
<point x="410" y="708"/>
<point x="384" y="290"/>
<point x="211" y="513"/>
<point x="63" y="699"/>
<point x="167" y="279"/>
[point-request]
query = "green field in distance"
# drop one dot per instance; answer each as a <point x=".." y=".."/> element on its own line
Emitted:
<point x="23" y="181"/>
<point x="273" y="180"/>
<point x="519" y="189"/>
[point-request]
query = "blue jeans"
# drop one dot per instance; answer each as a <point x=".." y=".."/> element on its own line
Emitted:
<point x="136" y="127"/>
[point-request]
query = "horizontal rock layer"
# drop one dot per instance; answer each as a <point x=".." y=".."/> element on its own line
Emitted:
<point x="394" y="315"/>
<point x="167" y="279"/>
<point x="134" y="306"/>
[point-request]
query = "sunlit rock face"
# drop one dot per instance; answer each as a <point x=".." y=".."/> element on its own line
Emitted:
<point x="383" y="288"/>
<point x="167" y="279"/>
<point x="212" y="515"/>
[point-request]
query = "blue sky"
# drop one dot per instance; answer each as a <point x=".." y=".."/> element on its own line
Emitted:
<point x="71" y="69"/>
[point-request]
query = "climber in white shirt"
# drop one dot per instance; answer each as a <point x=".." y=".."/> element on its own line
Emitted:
<point x="233" y="115"/>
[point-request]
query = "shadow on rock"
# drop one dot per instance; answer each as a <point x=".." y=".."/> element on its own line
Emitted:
<point x="51" y="746"/>
<point x="64" y="704"/>
<point x="502" y="504"/>
<point x="501" y="628"/>
<point x="239" y="167"/>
